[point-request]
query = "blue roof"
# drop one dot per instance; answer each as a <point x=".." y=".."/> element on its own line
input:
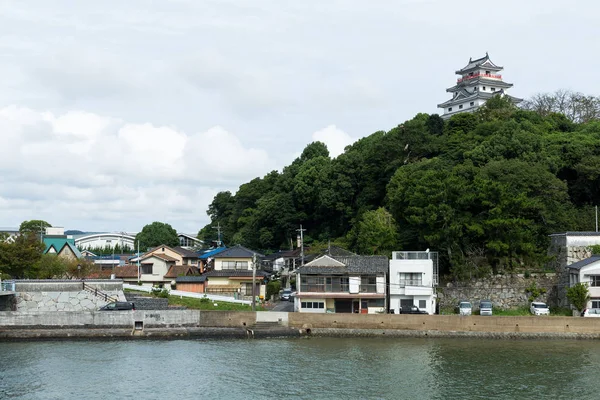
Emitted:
<point x="212" y="252"/>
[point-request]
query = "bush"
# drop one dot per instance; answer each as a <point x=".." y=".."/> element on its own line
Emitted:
<point x="273" y="287"/>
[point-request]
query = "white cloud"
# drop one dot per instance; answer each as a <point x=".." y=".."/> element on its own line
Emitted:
<point x="81" y="166"/>
<point x="335" y="139"/>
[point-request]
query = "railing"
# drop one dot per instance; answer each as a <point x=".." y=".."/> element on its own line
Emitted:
<point x="98" y="293"/>
<point x="477" y="75"/>
<point x="7" y="286"/>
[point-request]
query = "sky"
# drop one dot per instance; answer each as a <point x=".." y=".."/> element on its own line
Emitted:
<point x="115" y="114"/>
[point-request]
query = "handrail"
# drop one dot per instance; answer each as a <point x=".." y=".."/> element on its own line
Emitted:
<point x="98" y="293"/>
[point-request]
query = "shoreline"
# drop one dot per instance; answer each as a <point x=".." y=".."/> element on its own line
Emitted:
<point x="17" y="334"/>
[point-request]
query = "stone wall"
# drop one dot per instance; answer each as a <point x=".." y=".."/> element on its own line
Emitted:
<point x="59" y="301"/>
<point x="504" y="291"/>
<point x="561" y="257"/>
<point x="147" y="303"/>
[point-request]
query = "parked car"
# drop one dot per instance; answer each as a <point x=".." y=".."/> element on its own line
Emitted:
<point x="485" y="307"/>
<point x="118" y="306"/>
<point x="412" y="310"/>
<point x="591" y="312"/>
<point x="286" y="295"/>
<point x="465" y="308"/>
<point x="539" y="308"/>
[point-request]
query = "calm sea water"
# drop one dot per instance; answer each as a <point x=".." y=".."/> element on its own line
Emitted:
<point x="314" y="368"/>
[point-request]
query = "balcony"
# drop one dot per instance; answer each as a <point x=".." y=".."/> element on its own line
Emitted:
<point x="479" y="75"/>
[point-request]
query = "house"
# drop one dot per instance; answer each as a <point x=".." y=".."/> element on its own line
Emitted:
<point x="587" y="271"/>
<point x="179" y="254"/>
<point x="58" y="243"/>
<point x="565" y="249"/>
<point x="346" y="284"/>
<point x="412" y="280"/>
<point x="232" y="273"/>
<point x="189" y="242"/>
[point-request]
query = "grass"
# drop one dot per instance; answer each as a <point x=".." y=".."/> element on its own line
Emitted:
<point x="203" y="304"/>
<point x="514" y="312"/>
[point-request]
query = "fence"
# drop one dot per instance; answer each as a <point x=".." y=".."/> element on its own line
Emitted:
<point x="7" y="286"/>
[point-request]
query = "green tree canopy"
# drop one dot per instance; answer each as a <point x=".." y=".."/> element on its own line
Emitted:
<point x="35" y="226"/>
<point x="155" y="234"/>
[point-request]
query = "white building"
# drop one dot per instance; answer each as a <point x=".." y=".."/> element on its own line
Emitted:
<point x="479" y="80"/>
<point x="413" y="279"/>
<point x="105" y="240"/>
<point x="587" y="271"/>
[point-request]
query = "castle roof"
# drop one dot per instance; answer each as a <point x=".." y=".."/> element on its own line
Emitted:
<point x="483" y="62"/>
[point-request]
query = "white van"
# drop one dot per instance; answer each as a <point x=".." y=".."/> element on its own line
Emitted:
<point x="465" y="308"/>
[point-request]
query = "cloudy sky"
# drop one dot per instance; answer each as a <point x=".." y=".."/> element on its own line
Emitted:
<point x="114" y="114"/>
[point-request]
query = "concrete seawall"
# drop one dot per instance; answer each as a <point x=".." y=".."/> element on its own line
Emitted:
<point x="234" y="324"/>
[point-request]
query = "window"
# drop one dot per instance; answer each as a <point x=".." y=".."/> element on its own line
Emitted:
<point x="487" y="72"/>
<point x="147" y="269"/>
<point x="411" y="279"/>
<point x="472" y="103"/>
<point x="312" y="304"/>
<point x="475" y="89"/>
<point x="234" y="264"/>
<point x="422" y="304"/>
<point x="460" y="106"/>
<point x="322" y="284"/>
<point x="493" y="89"/>
<point x="595" y="303"/>
<point x="376" y="303"/>
<point x="484" y="88"/>
<point x="595" y="280"/>
<point x="450" y="109"/>
<point x="368" y="284"/>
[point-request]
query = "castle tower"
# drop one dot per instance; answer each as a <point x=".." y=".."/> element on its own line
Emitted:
<point x="478" y="82"/>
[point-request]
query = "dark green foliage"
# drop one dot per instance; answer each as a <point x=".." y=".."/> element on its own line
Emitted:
<point x="19" y="259"/>
<point x="273" y="287"/>
<point x="155" y="234"/>
<point x="484" y="189"/>
<point x="35" y="226"/>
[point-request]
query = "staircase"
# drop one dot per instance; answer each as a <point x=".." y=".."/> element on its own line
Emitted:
<point x="98" y="293"/>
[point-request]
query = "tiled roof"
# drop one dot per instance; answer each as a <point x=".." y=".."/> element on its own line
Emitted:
<point x="237" y="252"/>
<point x="177" y="270"/>
<point x="352" y="265"/>
<point x="127" y="271"/>
<point x="161" y="256"/>
<point x="235" y="272"/>
<point x="479" y="62"/>
<point x="336" y="251"/>
<point x="185" y="252"/>
<point x="576" y="234"/>
<point x="191" y="279"/>
<point x="583" y="263"/>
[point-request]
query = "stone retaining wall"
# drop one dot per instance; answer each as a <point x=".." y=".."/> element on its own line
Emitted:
<point x="504" y="291"/>
<point x="60" y="301"/>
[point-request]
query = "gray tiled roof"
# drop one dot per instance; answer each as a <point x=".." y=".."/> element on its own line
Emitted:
<point x="185" y="252"/>
<point x="237" y="252"/>
<point x="352" y="265"/>
<point x="583" y="263"/>
<point x="191" y="278"/>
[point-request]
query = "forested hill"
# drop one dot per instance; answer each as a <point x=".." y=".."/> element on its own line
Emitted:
<point x="484" y="189"/>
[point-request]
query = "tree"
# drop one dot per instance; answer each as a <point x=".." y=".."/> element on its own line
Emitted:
<point x="579" y="296"/>
<point x="35" y="226"/>
<point x="51" y="266"/>
<point x="157" y="233"/>
<point x="18" y="259"/>
<point x="577" y="107"/>
<point x="377" y="233"/>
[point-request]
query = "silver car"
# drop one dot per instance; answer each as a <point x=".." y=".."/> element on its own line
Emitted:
<point x="485" y="307"/>
<point x="465" y="308"/>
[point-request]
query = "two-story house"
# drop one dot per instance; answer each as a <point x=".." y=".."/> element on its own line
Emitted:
<point x="587" y="271"/>
<point x="348" y="284"/>
<point x="232" y="273"/>
<point x="413" y="279"/>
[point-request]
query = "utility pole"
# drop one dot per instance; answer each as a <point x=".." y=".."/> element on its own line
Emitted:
<point x="301" y="245"/>
<point x="253" y="282"/>
<point x="218" y="228"/>
<point x="596" y="218"/>
<point x="138" y="259"/>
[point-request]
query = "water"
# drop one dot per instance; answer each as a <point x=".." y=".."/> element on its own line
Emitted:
<point x="314" y="368"/>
